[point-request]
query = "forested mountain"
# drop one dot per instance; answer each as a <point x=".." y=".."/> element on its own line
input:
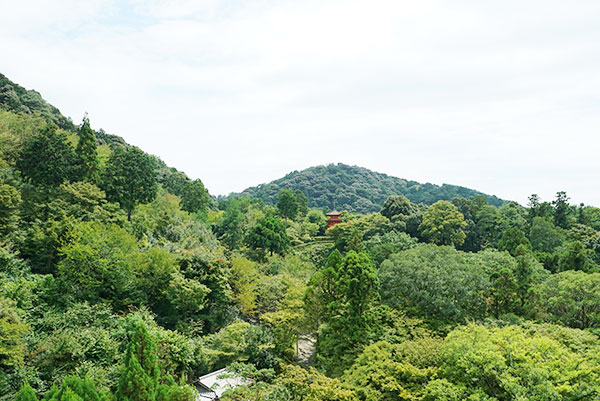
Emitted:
<point x="121" y="280"/>
<point x="357" y="189"/>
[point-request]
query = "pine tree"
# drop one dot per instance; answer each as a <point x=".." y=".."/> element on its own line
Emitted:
<point x="139" y="379"/>
<point x="26" y="393"/>
<point x="87" y="153"/>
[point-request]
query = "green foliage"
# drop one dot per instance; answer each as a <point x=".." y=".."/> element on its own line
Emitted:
<point x="511" y="239"/>
<point x="10" y="200"/>
<point x="231" y="228"/>
<point x="446" y="285"/>
<point x="357" y="189"/>
<point x="576" y="257"/>
<point x="268" y="235"/>
<point x="129" y="178"/>
<point x="571" y="298"/>
<point x="344" y="294"/>
<point x="544" y="236"/>
<point x="513" y="363"/>
<point x="443" y="224"/>
<point x="244" y="282"/>
<point x="12" y="332"/>
<point x="139" y="379"/>
<point x="397" y="206"/>
<point x="287" y="204"/>
<point x="47" y="160"/>
<point x="15" y="98"/>
<point x="561" y="210"/>
<point x="355" y="242"/>
<point x="26" y="393"/>
<point x="101" y="262"/>
<point x="74" y="388"/>
<point x="238" y="341"/>
<point x="195" y="198"/>
<point x="380" y="247"/>
<point x="86" y="153"/>
<point x="388" y="372"/>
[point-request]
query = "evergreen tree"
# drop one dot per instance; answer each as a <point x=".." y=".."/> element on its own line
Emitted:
<point x="87" y="153"/>
<point x="139" y="378"/>
<point x="302" y="202"/>
<point x="561" y="210"/>
<point x="26" y="393"/>
<point x="130" y="178"/>
<point x="231" y="229"/>
<point x="287" y="204"/>
<point x="74" y="388"/>
<point x="47" y="160"/>
<point x="268" y="235"/>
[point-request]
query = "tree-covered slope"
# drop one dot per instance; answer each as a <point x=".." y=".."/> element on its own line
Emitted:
<point x="14" y="97"/>
<point x="357" y="189"/>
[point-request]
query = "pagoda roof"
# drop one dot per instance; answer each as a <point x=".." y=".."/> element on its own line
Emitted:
<point x="333" y="213"/>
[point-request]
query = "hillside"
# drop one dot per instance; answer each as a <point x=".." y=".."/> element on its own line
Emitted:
<point x="29" y="103"/>
<point x="357" y="189"/>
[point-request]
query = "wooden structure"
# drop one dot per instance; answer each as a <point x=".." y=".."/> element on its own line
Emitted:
<point x="333" y="218"/>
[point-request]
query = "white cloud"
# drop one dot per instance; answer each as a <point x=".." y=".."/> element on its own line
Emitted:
<point x="498" y="96"/>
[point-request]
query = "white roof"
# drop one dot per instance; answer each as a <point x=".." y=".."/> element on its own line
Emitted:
<point x="212" y="386"/>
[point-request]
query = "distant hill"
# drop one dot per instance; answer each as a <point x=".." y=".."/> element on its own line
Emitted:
<point x="357" y="189"/>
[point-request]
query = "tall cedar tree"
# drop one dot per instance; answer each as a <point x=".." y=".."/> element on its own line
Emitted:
<point x="139" y="379"/>
<point x="87" y="153"/>
<point x="47" y="160"/>
<point x="130" y="178"/>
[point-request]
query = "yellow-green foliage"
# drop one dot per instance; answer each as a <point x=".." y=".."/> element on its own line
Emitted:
<point x="12" y="332"/>
<point x="15" y="129"/>
<point x="245" y="278"/>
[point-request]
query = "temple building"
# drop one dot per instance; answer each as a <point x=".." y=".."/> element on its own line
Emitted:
<point x="333" y="218"/>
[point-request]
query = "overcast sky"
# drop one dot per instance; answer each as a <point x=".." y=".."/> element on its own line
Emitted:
<point x="499" y="96"/>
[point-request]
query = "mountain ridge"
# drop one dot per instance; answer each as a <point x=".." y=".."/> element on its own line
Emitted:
<point x="357" y="189"/>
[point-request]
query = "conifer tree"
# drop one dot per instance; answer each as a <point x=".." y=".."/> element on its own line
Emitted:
<point x="87" y="153"/>
<point x="129" y="178"/>
<point x="139" y="379"/>
<point x="70" y="395"/>
<point x="26" y="393"/>
<point x="74" y="388"/>
<point x="47" y="159"/>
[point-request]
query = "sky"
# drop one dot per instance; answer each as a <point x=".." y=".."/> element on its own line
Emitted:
<point x="498" y="96"/>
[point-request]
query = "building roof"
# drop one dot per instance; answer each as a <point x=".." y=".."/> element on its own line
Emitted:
<point x="213" y="385"/>
<point x="333" y="213"/>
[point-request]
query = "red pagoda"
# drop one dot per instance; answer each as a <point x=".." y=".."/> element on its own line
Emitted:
<point x="333" y="218"/>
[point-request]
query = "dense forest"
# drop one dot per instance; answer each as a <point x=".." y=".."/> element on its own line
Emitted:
<point x="122" y="279"/>
<point x="357" y="189"/>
